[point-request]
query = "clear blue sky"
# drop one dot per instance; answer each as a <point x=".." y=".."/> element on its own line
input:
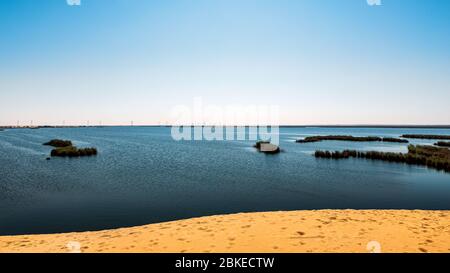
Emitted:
<point x="321" y="61"/>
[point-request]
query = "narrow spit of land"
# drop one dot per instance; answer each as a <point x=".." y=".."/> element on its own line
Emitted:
<point x="351" y="138"/>
<point x="427" y="136"/>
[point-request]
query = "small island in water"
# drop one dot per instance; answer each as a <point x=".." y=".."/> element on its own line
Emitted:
<point x="430" y="156"/>
<point x="65" y="148"/>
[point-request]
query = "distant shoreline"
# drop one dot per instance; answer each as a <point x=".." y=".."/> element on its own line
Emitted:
<point x="281" y="126"/>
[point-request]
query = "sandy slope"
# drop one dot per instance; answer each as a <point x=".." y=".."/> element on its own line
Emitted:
<point x="294" y="231"/>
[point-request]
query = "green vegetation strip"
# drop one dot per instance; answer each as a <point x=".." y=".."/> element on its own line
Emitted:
<point x="432" y="157"/>
<point x="58" y="143"/>
<point x="351" y="138"/>
<point x="72" y="151"/>
<point x="427" y="136"/>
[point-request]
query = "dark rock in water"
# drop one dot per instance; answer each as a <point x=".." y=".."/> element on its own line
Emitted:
<point x="48" y="158"/>
<point x="58" y="143"/>
<point x="267" y="147"/>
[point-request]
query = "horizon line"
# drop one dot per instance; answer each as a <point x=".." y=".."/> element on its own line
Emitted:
<point x="440" y="126"/>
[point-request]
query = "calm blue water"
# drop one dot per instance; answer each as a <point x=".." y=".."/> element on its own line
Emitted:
<point x="142" y="176"/>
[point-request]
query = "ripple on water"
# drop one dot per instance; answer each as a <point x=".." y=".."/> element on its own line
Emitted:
<point x="9" y="145"/>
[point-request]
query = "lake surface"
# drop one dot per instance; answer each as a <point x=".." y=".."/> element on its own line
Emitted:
<point x="142" y="176"/>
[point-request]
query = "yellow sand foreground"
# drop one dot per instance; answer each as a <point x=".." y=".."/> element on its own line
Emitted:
<point x="291" y="231"/>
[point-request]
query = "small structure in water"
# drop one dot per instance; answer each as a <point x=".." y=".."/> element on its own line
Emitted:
<point x="267" y="147"/>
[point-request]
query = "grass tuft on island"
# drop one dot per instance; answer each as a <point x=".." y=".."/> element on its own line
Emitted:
<point x="351" y="138"/>
<point x="442" y="144"/>
<point x="432" y="157"/>
<point x="427" y="136"/>
<point x="59" y="143"/>
<point x="72" y="151"/>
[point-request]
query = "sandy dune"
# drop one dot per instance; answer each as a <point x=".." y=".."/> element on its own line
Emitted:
<point x="293" y="231"/>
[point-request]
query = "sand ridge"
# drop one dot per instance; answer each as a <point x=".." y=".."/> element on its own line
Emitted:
<point x="289" y="231"/>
